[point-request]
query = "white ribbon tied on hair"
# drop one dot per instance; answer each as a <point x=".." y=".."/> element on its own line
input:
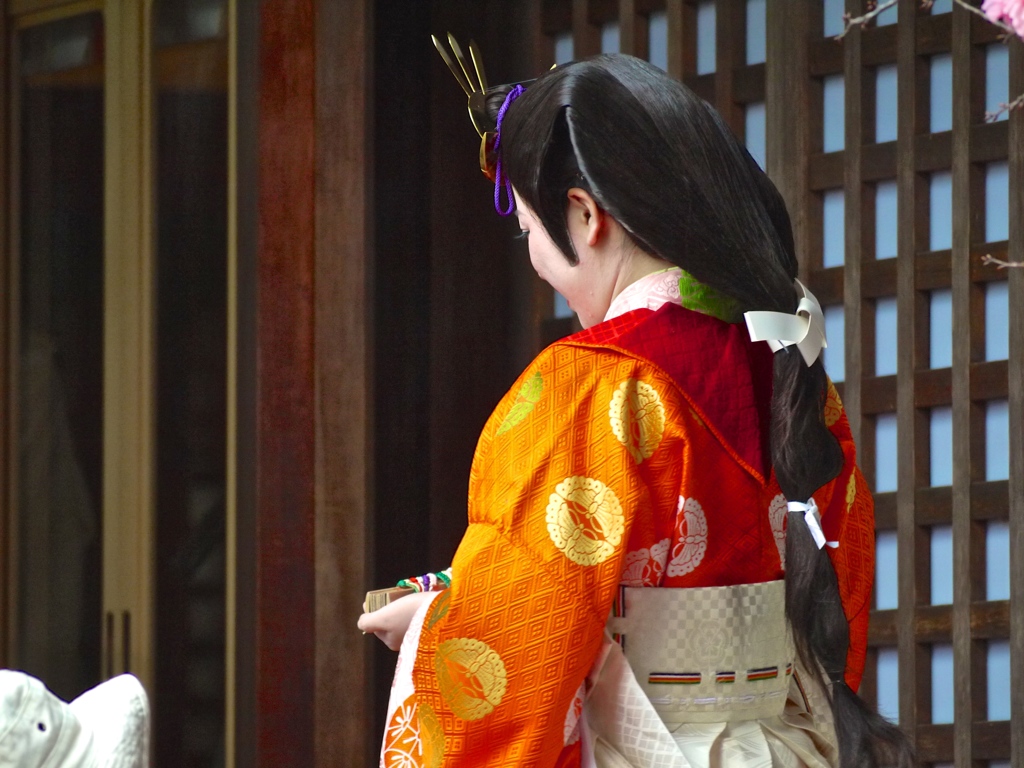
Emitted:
<point x="813" y="519"/>
<point x="805" y="328"/>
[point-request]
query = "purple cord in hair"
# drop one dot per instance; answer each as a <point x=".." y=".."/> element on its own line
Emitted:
<point x="514" y="94"/>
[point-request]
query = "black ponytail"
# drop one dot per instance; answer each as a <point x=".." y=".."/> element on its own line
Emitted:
<point x="667" y="168"/>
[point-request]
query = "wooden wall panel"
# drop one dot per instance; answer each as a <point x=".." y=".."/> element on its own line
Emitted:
<point x="730" y="43"/>
<point x="533" y="298"/>
<point x="403" y="63"/>
<point x="474" y="264"/>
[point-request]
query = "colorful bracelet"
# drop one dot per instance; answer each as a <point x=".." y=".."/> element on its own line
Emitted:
<point x="428" y="582"/>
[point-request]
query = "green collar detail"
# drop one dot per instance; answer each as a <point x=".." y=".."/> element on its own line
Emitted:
<point x="701" y="298"/>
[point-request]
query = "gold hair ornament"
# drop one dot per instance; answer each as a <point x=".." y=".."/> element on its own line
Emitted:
<point x="470" y="75"/>
<point x="476" y="92"/>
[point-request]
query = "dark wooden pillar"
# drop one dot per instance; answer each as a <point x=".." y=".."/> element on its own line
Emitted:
<point x="1015" y="252"/>
<point x="5" y="349"/>
<point x="344" y="382"/>
<point x="304" y="382"/>
<point x="285" y="395"/>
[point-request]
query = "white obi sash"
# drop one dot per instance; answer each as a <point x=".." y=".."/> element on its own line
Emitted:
<point x="700" y="677"/>
<point x="717" y="654"/>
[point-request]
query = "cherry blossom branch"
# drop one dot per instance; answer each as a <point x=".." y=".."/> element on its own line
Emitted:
<point x="1017" y="103"/>
<point x="849" y="22"/>
<point x="875" y="8"/>
<point x="988" y="259"/>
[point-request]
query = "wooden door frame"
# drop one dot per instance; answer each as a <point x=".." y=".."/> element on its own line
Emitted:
<point x="128" y="430"/>
<point x="6" y="360"/>
<point x="129" y="344"/>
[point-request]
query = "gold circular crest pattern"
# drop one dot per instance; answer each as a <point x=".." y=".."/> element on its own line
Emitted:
<point x="833" y="405"/>
<point x="414" y="738"/>
<point x="637" y="417"/>
<point x="471" y="677"/>
<point x="585" y="520"/>
<point x="851" y="491"/>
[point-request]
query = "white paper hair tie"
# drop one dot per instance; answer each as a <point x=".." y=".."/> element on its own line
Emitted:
<point x="805" y="328"/>
<point x="813" y="519"/>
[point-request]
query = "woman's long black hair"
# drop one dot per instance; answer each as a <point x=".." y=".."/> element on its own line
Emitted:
<point x="664" y="164"/>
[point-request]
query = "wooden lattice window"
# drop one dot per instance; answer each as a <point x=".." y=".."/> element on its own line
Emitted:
<point x="903" y="163"/>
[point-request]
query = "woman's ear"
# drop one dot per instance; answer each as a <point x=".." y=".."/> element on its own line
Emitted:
<point x="586" y="218"/>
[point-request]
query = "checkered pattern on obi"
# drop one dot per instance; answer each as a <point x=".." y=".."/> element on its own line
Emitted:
<point x="675" y="633"/>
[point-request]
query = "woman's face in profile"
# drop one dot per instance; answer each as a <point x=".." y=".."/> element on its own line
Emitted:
<point x="582" y="284"/>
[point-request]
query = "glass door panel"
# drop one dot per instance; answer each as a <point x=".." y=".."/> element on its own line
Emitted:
<point x="191" y="56"/>
<point x="57" y="260"/>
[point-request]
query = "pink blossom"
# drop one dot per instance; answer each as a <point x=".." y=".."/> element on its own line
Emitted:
<point x="1009" y="11"/>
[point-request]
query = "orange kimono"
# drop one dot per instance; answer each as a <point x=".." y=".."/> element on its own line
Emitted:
<point x="633" y="453"/>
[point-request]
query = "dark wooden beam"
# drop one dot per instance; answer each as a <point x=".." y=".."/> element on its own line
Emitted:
<point x="243" y="666"/>
<point x="343" y="418"/>
<point x="787" y="98"/>
<point x="6" y="348"/>
<point x="913" y="678"/>
<point x="285" y="451"/>
<point x="633" y="29"/>
<point x="966" y="708"/>
<point x="1015" y="253"/>
<point x="586" y="36"/>
<point x="305" y="405"/>
<point x="681" y="19"/>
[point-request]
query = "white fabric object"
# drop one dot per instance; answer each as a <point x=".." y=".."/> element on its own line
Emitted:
<point x="649" y="292"/>
<point x="805" y="328"/>
<point x="736" y="630"/>
<point x="622" y="728"/>
<point x="106" y="727"/>
<point x="777" y="520"/>
<point x="620" y="725"/>
<point x="402" y="686"/>
<point x="812" y="516"/>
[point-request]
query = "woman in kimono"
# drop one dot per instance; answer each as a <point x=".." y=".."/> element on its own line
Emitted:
<point x="670" y="548"/>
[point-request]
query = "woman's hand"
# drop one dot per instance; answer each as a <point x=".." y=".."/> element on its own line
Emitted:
<point x="391" y="622"/>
